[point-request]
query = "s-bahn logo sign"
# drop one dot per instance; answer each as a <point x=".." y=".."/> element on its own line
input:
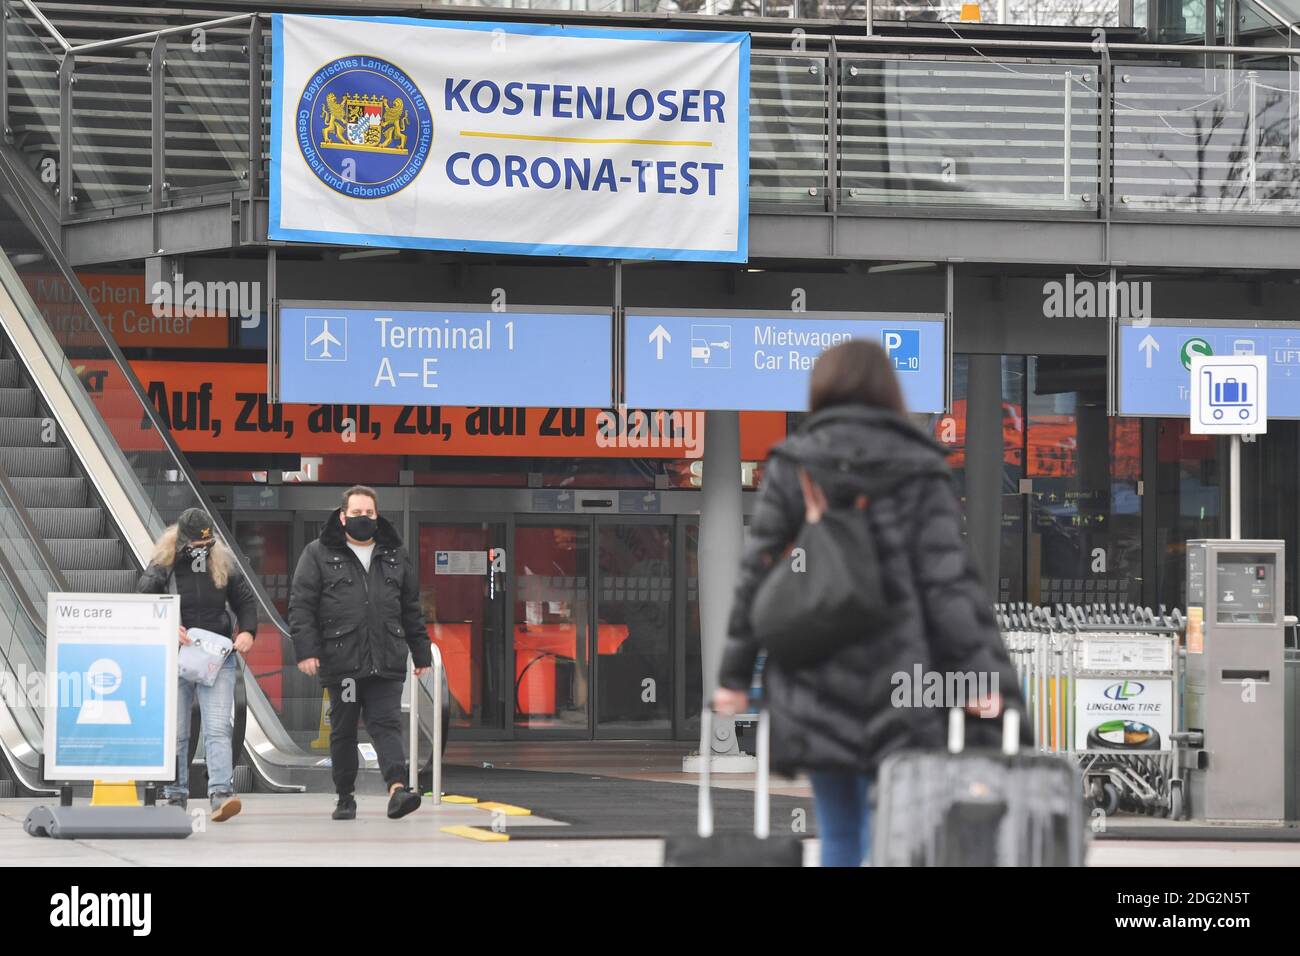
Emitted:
<point x="364" y="127"/>
<point x="510" y="138"/>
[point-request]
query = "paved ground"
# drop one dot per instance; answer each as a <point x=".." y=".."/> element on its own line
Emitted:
<point x="297" y="830"/>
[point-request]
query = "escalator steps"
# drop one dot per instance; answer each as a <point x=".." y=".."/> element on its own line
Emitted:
<point x="68" y="522"/>
<point x="53" y="462"/>
<point x="52" y="492"/>
<point x="17" y="403"/>
<point x="94" y="554"/>
<point x="102" y="582"/>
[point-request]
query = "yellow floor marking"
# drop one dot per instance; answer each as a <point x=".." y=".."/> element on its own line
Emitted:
<point x="508" y="809"/>
<point x="474" y="833"/>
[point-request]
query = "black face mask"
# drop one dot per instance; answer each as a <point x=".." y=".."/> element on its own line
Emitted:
<point x="191" y="552"/>
<point x="361" y="527"/>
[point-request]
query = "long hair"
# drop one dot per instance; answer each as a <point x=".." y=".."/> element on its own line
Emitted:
<point x="219" y="560"/>
<point x="856" y="372"/>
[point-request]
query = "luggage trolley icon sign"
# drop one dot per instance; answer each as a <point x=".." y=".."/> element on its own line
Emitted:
<point x="1228" y="392"/>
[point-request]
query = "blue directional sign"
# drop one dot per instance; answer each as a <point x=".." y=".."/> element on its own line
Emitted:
<point x="1155" y="361"/>
<point x="339" y="353"/>
<point x="762" y="361"/>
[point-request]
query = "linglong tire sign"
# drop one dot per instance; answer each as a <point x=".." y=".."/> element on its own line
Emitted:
<point x="510" y="138"/>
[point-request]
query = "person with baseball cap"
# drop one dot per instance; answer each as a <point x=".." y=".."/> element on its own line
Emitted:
<point x="208" y="579"/>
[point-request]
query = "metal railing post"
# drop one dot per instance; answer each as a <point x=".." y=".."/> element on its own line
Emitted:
<point x="437" y="723"/>
<point x="157" y="121"/>
<point x="4" y="76"/>
<point x="254" y="110"/>
<point x="413" y="734"/>
<point x="66" y="80"/>
<point x="1068" y="134"/>
<point x="1252" y="133"/>
<point x="413" y="729"/>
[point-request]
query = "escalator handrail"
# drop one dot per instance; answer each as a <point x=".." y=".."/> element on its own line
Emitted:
<point x="37" y="541"/>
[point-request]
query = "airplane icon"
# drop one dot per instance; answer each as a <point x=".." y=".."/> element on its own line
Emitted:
<point x="327" y="340"/>
<point x="319" y="347"/>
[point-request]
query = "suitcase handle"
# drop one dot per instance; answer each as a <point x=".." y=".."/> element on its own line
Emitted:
<point x="762" y="815"/>
<point x="1010" y="731"/>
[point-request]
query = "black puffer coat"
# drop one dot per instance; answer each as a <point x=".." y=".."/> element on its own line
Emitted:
<point x="842" y="714"/>
<point x="203" y="604"/>
<point x="357" y="624"/>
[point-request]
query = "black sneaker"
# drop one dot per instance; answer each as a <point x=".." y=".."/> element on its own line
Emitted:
<point x="346" y="808"/>
<point x="182" y="802"/>
<point x="402" y="802"/>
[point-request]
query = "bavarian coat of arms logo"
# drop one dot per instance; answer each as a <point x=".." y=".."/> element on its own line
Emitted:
<point x="364" y="127"/>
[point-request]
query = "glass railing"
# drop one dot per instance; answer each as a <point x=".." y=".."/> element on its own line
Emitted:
<point x="879" y="130"/>
<point x="205" y="96"/>
<point x="969" y="133"/>
<point x="1197" y="140"/>
<point x="788" y="129"/>
<point x="27" y="562"/>
<point x="32" y="75"/>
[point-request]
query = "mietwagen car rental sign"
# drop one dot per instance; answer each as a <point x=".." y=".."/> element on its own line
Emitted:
<point x="511" y="138"/>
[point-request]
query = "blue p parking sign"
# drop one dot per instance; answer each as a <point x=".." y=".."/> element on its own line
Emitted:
<point x="903" y="346"/>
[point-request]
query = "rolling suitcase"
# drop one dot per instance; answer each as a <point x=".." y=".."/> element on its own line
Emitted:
<point x="707" y="848"/>
<point x="978" y="808"/>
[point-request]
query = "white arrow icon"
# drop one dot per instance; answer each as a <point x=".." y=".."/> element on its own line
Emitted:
<point x="659" y="336"/>
<point x="1149" y="344"/>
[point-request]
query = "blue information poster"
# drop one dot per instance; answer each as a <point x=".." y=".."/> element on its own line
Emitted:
<point x="1155" y="360"/>
<point x="110" y="687"/>
<point x="763" y="361"/>
<point x="341" y="353"/>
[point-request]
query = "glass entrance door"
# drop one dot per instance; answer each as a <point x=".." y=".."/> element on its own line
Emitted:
<point x="552" y="672"/>
<point x="463" y="594"/>
<point x="634" y="626"/>
<point x="593" y="627"/>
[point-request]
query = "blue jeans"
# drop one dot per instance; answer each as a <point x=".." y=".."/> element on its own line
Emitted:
<point x="843" y="816"/>
<point x="217" y="705"/>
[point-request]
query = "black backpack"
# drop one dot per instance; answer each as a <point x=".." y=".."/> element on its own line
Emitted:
<point x="823" y="595"/>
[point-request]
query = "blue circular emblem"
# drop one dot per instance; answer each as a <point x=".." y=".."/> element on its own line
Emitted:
<point x="364" y="127"/>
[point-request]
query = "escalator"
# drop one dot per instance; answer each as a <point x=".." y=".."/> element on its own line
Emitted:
<point x="88" y="479"/>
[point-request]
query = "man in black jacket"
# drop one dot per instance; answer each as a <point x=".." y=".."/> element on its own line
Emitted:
<point x="354" y="612"/>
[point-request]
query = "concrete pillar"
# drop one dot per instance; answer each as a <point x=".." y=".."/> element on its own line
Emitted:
<point x="721" y="539"/>
<point x="984" y="467"/>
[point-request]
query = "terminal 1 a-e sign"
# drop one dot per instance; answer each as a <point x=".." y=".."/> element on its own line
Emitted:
<point x="404" y="354"/>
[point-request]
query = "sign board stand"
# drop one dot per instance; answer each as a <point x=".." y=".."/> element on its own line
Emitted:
<point x="1229" y="396"/>
<point x="110" y="714"/>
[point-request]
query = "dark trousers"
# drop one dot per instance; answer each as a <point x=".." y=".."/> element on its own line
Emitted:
<point x="378" y="701"/>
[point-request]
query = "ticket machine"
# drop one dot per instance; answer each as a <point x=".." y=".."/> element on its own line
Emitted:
<point x="1235" y="683"/>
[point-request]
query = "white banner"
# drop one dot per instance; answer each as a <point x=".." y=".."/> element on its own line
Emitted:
<point x="511" y="138"/>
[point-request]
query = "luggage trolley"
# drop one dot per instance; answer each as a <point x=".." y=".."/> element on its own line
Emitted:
<point x="1076" y="665"/>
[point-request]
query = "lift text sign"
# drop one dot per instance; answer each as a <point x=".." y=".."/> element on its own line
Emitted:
<point x="762" y="362"/>
<point x="528" y="139"/>
<point x="373" y="354"/>
<point x="1155" y="364"/>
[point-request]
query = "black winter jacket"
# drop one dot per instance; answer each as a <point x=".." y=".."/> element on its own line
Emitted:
<point x="842" y="714"/>
<point x="203" y="604"/>
<point x="357" y="624"/>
